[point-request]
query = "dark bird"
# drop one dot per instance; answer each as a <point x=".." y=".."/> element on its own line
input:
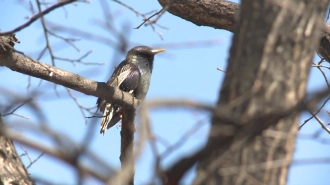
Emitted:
<point x="133" y="76"/>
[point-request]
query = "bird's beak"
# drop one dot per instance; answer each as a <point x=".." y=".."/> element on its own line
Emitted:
<point x="155" y="51"/>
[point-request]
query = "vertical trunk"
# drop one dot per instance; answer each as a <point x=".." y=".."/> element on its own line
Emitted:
<point x="270" y="58"/>
<point x="127" y="142"/>
<point x="12" y="171"/>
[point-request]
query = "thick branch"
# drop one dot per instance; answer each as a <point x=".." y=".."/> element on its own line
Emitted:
<point x="127" y="143"/>
<point x="215" y="13"/>
<point x="12" y="170"/>
<point x="220" y="14"/>
<point x="267" y="72"/>
<point x="69" y="157"/>
<point x="28" y="66"/>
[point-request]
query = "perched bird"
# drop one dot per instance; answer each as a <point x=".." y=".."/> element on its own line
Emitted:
<point x="133" y="76"/>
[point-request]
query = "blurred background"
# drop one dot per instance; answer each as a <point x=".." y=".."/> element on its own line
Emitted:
<point x="102" y="32"/>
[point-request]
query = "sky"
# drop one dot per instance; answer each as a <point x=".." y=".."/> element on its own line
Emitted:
<point x="182" y="72"/>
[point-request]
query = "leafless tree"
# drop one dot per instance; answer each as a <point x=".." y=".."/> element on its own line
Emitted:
<point x="254" y="123"/>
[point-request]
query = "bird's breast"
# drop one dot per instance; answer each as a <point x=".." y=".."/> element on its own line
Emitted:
<point x="144" y="83"/>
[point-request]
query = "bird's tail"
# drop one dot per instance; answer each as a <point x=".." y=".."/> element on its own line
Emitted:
<point x="107" y="116"/>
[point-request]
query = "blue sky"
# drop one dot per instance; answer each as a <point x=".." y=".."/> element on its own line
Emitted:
<point x="179" y="73"/>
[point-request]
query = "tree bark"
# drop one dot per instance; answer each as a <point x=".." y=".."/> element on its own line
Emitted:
<point x="268" y="68"/>
<point x="25" y="65"/>
<point x="127" y="142"/>
<point x="12" y="170"/>
<point x="220" y="14"/>
<point x="272" y="48"/>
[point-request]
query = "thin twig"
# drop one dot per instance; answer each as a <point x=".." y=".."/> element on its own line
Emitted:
<point x="19" y="106"/>
<point x="68" y="41"/>
<point x="36" y="17"/>
<point x="35" y="160"/>
<point x="314" y="115"/>
<point x="148" y="19"/>
<point x="81" y="108"/>
<point x="145" y="18"/>
<point x="79" y="60"/>
<point x="43" y="23"/>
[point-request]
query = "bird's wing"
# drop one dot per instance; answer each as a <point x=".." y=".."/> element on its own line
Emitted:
<point x="120" y="74"/>
<point x="132" y="80"/>
<point x="127" y="78"/>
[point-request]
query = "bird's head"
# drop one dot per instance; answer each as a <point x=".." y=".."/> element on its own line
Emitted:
<point x="142" y="54"/>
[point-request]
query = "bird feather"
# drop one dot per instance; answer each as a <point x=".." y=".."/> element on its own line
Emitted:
<point x="126" y="76"/>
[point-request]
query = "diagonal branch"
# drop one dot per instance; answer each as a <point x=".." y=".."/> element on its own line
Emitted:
<point x="37" y="16"/>
<point x="28" y="66"/>
<point x="221" y="14"/>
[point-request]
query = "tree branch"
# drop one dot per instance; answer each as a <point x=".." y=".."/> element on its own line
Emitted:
<point x="28" y="66"/>
<point x="12" y="170"/>
<point x="260" y="83"/>
<point x="220" y="14"/>
<point x="37" y="16"/>
<point x="215" y="13"/>
<point x="127" y="143"/>
<point x="69" y="156"/>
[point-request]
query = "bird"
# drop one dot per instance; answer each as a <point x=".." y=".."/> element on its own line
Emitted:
<point x="132" y="75"/>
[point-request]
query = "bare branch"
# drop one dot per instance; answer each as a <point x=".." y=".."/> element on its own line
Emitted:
<point x="37" y="16"/>
<point x="13" y="111"/>
<point x="67" y="40"/>
<point x="30" y="159"/>
<point x="180" y="103"/>
<point x="314" y="115"/>
<point x="145" y="18"/>
<point x="70" y="157"/>
<point x="79" y="60"/>
<point x="81" y="107"/>
<point x="148" y="19"/>
<point x="127" y="143"/>
<point x="34" y="68"/>
<point x="12" y="170"/>
<point x="269" y="165"/>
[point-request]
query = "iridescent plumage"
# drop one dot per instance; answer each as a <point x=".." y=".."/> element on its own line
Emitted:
<point x="133" y="76"/>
